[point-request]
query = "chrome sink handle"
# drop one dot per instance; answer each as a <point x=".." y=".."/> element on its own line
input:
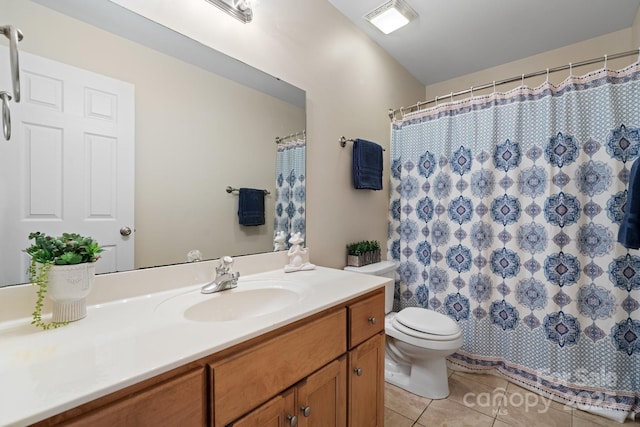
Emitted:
<point x="224" y="280"/>
<point x="226" y="262"/>
<point x="14" y="35"/>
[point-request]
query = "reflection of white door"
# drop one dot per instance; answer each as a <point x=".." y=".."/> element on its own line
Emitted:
<point x="69" y="166"/>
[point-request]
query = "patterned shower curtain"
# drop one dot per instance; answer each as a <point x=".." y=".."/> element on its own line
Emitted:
<point x="290" y="188"/>
<point x="504" y="215"/>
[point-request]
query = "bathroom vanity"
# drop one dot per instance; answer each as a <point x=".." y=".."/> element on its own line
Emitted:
<point x="319" y="361"/>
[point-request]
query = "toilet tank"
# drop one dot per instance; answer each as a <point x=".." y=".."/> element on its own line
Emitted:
<point x="382" y="269"/>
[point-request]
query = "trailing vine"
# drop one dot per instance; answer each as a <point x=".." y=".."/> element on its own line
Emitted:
<point x="38" y="275"/>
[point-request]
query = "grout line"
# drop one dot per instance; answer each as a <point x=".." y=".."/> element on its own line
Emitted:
<point x="393" y="410"/>
<point x="415" y="422"/>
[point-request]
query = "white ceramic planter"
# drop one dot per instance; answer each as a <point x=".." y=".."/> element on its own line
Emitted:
<point x="68" y="288"/>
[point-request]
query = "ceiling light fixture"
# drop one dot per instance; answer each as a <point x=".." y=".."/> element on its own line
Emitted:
<point x="239" y="9"/>
<point x="390" y="16"/>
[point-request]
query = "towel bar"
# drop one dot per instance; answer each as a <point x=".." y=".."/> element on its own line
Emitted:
<point x="231" y="190"/>
<point x="343" y="141"/>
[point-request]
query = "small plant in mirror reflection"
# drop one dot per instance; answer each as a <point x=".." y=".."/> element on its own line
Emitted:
<point x="47" y="251"/>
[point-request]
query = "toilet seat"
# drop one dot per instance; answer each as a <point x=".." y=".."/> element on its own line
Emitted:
<point x="426" y="324"/>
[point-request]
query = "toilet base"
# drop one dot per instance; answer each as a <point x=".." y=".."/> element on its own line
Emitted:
<point x="428" y="378"/>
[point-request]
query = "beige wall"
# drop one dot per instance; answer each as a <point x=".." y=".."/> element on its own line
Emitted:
<point x="620" y="41"/>
<point x="635" y="28"/>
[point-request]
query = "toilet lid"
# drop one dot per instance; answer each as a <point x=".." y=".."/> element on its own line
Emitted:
<point x="426" y="321"/>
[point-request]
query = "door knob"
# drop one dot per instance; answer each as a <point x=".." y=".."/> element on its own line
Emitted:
<point x="306" y="410"/>
<point x="125" y="231"/>
<point x="358" y="371"/>
<point x="293" y="420"/>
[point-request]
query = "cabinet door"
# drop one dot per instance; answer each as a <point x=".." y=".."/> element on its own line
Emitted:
<point x="278" y="412"/>
<point x="322" y="397"/>
<point x="366" y="383"/>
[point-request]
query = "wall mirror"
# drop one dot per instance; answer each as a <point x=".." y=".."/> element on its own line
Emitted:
<point x="201" y="122"/>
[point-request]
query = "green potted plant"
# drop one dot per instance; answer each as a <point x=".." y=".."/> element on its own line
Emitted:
<point x="363" y="253"/>
<point x="64" y="268"/>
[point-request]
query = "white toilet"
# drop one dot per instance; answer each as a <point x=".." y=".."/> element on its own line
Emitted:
<point x="417" y="343"/>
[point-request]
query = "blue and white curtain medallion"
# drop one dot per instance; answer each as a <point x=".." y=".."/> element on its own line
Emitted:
<point x="504" y="214"/>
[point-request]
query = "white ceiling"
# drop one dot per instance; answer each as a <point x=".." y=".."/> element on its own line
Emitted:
<point x="452" y="38"/>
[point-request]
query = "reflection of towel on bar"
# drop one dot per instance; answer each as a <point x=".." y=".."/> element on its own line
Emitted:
<point x="629" y="232"/>
<point x="251" y="206"/>
<point x="367" y="165"/>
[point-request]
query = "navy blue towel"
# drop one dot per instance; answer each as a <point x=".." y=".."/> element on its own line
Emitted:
<point x="367" y="165"/>
<point x="251" y="206"/>
<point x="629" y="232"/>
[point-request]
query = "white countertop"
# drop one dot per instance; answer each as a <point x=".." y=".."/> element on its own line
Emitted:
<point x="124" y="341"/>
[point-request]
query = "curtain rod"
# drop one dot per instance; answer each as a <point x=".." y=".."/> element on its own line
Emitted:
<point x="280" y="139"/>
<point x="420" y="105"/>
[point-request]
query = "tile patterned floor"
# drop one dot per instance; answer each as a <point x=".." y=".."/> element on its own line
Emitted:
<point x="484" y="401"/>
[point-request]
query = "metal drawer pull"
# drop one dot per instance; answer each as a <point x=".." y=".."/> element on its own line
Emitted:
<point x="14" y="35"/>
<point x="306" y="410"/>
<point x="6" y="115"/>
<point x="372" y="320"/>
<point x="358" y="371"/>
<point x="293" y="420"/>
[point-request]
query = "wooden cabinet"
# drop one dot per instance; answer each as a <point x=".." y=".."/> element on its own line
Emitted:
<point x="322" y="397"/>
<point x="366" y="383"/>
<point x="278" y="412"/>
<point x="324" y="370"/>
<point x="318" y="400"/>
<point x="243" y="381"/>
<point x="366" y="362"/>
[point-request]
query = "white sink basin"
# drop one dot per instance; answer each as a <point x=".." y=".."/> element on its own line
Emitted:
<point x="251" y="299"/>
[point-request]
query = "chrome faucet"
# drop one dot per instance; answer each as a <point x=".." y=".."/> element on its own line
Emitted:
<point x="225" y="278"/>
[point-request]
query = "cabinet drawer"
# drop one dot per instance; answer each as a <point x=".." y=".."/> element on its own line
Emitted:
<point x="242" y="382"/>
<point x="179" y="401"/>
<point x="366" y="318"/>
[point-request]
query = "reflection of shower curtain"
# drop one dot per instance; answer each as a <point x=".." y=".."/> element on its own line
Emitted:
<point x="504" y="213"/>
<point x="290" y="188"/>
